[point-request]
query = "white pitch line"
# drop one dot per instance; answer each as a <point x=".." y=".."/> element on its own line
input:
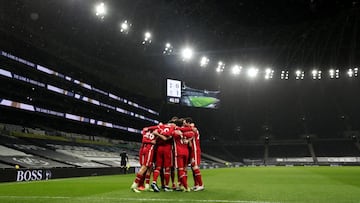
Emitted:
<point x="133" y="199"/>
<point x="194" y="200"/>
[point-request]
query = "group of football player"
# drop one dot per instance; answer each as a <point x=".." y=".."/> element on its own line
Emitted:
<point x="166" y="148"/>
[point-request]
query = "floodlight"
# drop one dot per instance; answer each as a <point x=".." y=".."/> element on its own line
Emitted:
<point x="168" y="49"/>
<point x="316" y="74"/>
<point x="187" y="54"/>
<point x="252" y="72"/>
<point x="269" y="73"/>
<point x="125" y="27"/>
<point x="284" y="75"/>
<point x="100" y="10"/>
<point x="350" y="73"/>
<point x="353" y="72"/>
<point x="334" y="73"/>
<point x="299" y="75"/>
<point x="220" y="67"/>
<point x="204" y="61"/>
<point x="236" y="69"/>
<point x="147" y="38"/>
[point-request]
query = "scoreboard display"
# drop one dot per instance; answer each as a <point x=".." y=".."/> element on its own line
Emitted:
<point x="178" y="93"/>
<point x="173" y="91"/>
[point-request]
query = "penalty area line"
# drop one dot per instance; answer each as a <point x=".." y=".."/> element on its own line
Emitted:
<point x="132" y="199"/>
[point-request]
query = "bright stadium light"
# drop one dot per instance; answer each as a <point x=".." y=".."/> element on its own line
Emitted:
<point x="299" y="75"/>
<point x="187" y="54"/>
<point x="147" y="38"/>
<point x="316" y="74"/>
<point x="125" y="27"/>
<point x="269" y="73"/>
<point x="252" y="72"/>
<point x="220" y="67"/>
<point x="356" y="70"/>
<point x="168" y="49"/>
<point x="334" y="73"/>
<point x="100" y="10"/>
<point x="204" y="61"/>
<point x="350" y="73"/>
<point x="284" y="75"/>
<point x="236" y="69"/>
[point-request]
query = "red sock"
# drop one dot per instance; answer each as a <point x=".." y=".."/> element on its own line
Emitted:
<point x="198" y="177"/>
<point x="147" y="178"/>
<point x="141" y="182"/>
<point x="162" y="177"/>
<point x="167" y="176"/>
<point x="138" y="178"/>
<point x="172" y="176"/>
<point x="183" y="178"/>
<point x="156" y="174"/>
<point x="194" y="178"/>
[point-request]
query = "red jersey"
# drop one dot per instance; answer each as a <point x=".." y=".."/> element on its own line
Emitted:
<point x="181" y="142"/>
<point x="148" y="137"/>
<point x="196" y="141"/>
<point x="146" y="152"/>
<point x="166" y="130"/>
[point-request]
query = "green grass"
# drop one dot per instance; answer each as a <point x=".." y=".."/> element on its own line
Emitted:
<point x="198" y="101"/>
<point x="259" y="184"/>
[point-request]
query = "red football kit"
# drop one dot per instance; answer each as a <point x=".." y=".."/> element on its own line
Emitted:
<point x="147" y="150"/>
<point x="196" y="159"/>
<point x="164" y="153"/>
<point x="195" y="149"/>
<point x="181" y="146"/>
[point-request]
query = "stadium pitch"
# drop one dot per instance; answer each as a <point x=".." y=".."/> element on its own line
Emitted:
<point x="229" y="185"/>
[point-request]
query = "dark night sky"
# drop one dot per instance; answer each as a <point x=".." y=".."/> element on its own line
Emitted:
<point x="281" y="34"/>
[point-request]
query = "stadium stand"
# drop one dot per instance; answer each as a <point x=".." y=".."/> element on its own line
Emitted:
<point x="5" y="151"/>
<point x="31" y="148"/>
<point x="104" y="159"/>
<point x="341" y="151"/>
<point x="4" y="166"/>
<point x="236" y="152"/>
<point x="335" y="148"/>
<point x="71" y="152"/>
<point x="49" y="153"/>
<point x="15" y="157"/>
<point x="289" y="150"/>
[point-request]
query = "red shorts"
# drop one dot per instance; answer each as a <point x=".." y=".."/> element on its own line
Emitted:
<point x="147" y="155"/>
<point x="181" y="161"/>
<point x="164" y="156"/>
<point x="195" y="157"/>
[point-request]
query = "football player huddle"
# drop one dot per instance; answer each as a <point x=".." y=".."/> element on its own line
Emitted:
<point x="167" y="149"/>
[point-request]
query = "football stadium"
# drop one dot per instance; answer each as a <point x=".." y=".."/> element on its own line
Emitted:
<point x="237" y="101"/>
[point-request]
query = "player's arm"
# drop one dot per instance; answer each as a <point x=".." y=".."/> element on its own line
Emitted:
<point x="184" y="129"/>
<point x="151" y="128"/>
<point x="161" y="136"/>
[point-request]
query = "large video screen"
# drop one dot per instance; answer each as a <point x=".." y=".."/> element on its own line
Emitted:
<point x="173" y="91"/>
<point x="179" y="93"/>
